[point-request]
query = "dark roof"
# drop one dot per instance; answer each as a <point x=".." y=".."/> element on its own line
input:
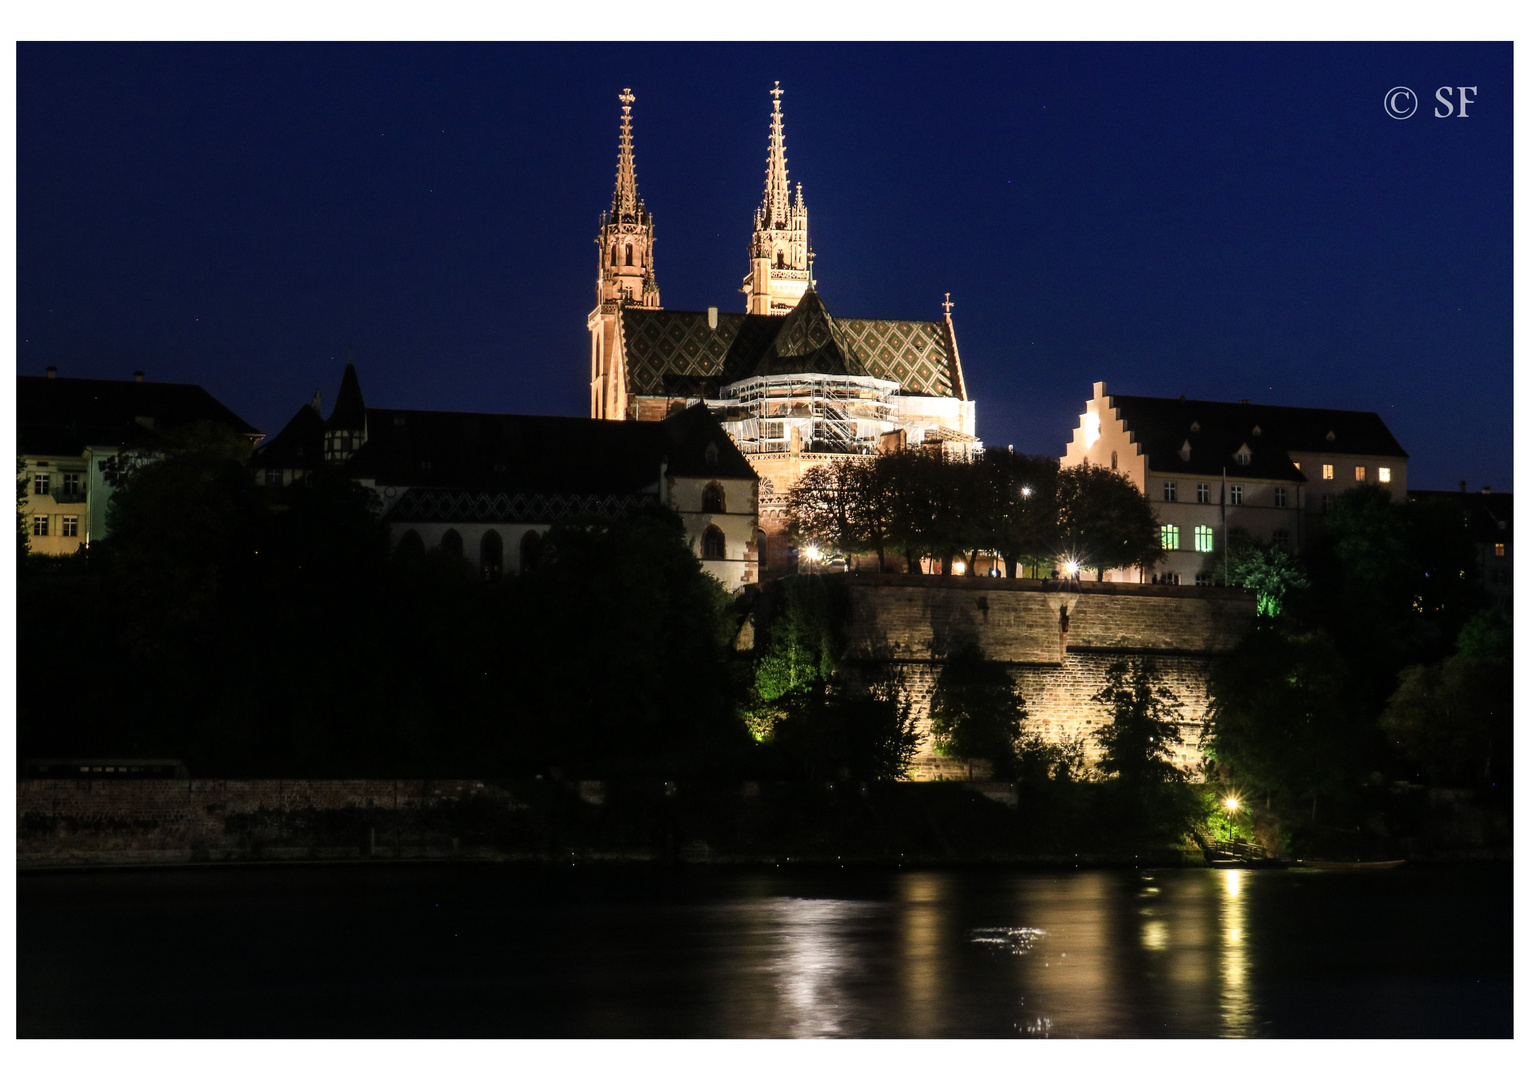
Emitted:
<point x="299" y="445"/>
<point x="63" y="416"/>
<point x="349" y="407"/>
<point x="677" y="354"/>
<point x="1276" y="435"/>
<point x="545" y="454"/>
<point x="1488" y="513"/>
<point x="808" y="341"/>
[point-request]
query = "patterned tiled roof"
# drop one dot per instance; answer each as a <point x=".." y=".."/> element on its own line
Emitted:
<point x="676" y="353"/>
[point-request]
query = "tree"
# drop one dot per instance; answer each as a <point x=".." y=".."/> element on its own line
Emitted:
<point x="910" y="482"/>
<point x="23" y="530"/>
<point x="824" y="729"/>
<point x="1454" y="720"/>
<point x="1144" y="726"/>
<point x="977" y="711"/>
<point x="1018" y="517"/>
<point x="1284" y="718"/>
<point x="1267" y="569"/>
<point x="827" y="506"/>
<point x="1103" y="521"/>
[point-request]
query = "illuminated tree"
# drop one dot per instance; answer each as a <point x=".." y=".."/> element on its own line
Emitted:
<point x="977" y="711"/>
<point x="1267" y="569"/>
<point x="1144" y="727"/>
<point x="1103" y="521"/>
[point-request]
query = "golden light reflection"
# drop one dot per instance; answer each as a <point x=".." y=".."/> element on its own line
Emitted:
<point x="1235" y="999"/>
<point x="1154" y="934"/>
<point x="921" y="903"/>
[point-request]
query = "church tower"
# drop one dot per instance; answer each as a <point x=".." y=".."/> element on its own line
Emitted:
<point x="626" y="276"/>
<point x="778" y="272"/>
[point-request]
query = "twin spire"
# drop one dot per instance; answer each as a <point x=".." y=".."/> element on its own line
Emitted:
<point x="779" y="261"/>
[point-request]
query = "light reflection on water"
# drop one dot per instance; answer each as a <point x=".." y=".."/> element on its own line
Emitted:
<point x="503" y="952"/>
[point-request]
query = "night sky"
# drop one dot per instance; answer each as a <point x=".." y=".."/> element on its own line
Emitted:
<point x="1221" y="221"/>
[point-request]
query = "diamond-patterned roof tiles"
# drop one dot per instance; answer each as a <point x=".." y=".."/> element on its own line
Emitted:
<point x="674" y="352"/>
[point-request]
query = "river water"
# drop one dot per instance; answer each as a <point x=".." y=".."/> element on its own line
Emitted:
<point x="580" y="951"/>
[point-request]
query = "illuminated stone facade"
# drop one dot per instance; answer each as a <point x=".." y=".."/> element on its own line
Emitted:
<point x="792" y="385"/>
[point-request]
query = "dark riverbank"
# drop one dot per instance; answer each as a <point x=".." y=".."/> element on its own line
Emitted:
<point x="168" y="822"/>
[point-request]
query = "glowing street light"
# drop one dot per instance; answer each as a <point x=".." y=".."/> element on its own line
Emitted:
<point x="958" y="566"/>
<point x="1232" y="802"/>
<point x="1026" y="491"/>
<point x="811" y="552"/>
<point x="1071" y="566"/>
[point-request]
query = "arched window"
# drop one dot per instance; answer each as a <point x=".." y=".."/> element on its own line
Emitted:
<point x="410" y="546"/>
<point x="758" y="543"/>
<point x="713" y="545"/>
<point x="1114" y="461"/>
<point x="779" y="260"/>
<point x="451" y="543"/>
<point x="491" y="553"/>
<point x="530" y="550"/>
<point x="713" y="500"/>
<point x="628" y="256"/>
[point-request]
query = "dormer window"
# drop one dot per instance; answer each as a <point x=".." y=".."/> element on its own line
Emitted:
<point x="1244" y="455"/>
<point x="1194" y="426"/>
<point x="1184" y="450"/>
<point x="1256" y="430"/>
<point x="1331" y="436"/>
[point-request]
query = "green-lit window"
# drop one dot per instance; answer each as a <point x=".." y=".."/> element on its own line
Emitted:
<point x="1204" y="538"/>
<point x="1169" y="538"/>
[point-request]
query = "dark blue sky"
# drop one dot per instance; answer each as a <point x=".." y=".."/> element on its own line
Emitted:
<point x="1222" y="221"/>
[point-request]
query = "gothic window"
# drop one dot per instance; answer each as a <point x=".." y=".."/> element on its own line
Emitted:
<point x="530" y="550"/>
<point x="451" y="543"/>
<point x="491" y="555"/>
<point x="713" y="545"/>
<point x="628" y="256"/>
<point x="613" y="261"/>
<point x="779" y="260"/>
<point x="1114" y="461"/>
<point x="410" y="546"/>
<point x="758" y="542"/>
<point x="713" y="500"/>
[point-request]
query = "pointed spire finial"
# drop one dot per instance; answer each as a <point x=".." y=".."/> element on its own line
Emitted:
<point x="777" y="92"/>
<point x="777" y="189"/>
<point x="948" y="304"/>
<point x="625" y="201"/>
<point x="811" y="260"/>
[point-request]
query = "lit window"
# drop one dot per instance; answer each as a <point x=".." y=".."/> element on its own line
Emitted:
<point x="272" y="477"/>
<point x="40" y="525"/>
<point x="1328" y="472"/>
<point x="1501" y="551"/>
<point x="71" y="483"/>
<point x="1203" y="493"/>
<point x="1169" y="491"/>
<point x="1170" y="538"/>
<point x="1297" y="466"/>
<point x="1236" y="494"/>
<point x="71" y="526"/>
<point x="1280" y="497"/>
<point x="40" y="484"/>
<point x="1384" y="475"/>
<point x="1204" y="538"/>
<point x="1360" y="472"/>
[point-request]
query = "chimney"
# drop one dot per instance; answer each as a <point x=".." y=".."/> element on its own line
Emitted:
<point x="52" y="372"/>
<point x="711" y="317"/>
<point x="137" y="376"/>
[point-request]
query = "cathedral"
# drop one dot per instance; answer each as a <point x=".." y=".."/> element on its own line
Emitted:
<point x="793" y="386"/>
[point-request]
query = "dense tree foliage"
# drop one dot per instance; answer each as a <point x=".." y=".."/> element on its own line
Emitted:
<point x="977" y="711"/>
<point x="1144" y="726"/>
<point x="1267" y="569"/>
<point x="1024" y="508"/>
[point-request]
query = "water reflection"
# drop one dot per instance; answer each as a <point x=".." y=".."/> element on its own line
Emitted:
<point x="921" y="912"/>
<point x="1235" y="998"/>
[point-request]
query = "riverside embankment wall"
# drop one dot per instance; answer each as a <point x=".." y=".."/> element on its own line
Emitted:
<point x="174" y="821"/>
<point x="1058" y="640"/>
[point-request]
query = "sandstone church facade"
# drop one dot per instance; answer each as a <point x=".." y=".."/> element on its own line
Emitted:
<point x="792" y="385"/>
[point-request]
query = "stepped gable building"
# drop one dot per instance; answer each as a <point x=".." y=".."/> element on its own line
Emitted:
<point x="487" y="486"/>
<point x="1211" y="466"/>
<point x="793" y="385"/>
<point x="67" y="429"/>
